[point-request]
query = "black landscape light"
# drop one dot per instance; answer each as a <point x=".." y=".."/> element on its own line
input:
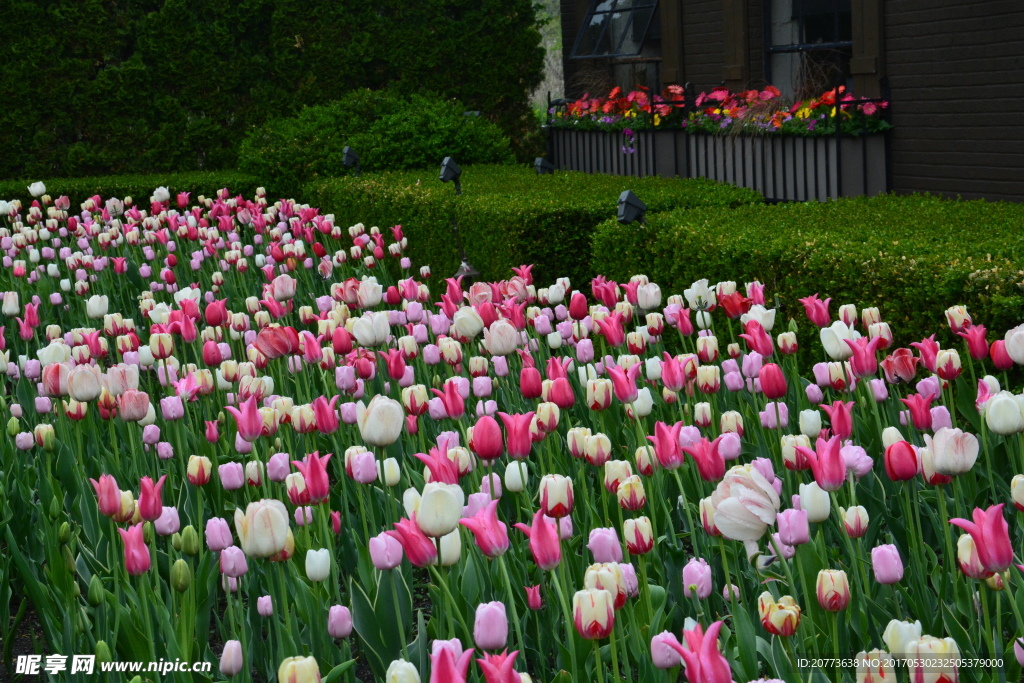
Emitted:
<point x="450" y="172"/>
<point x="349" y="158"/>
<point x="543" y="166"/>
<point x="631" y="208"/>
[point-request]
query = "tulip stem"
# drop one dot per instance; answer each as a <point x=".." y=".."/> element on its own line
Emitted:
<point x="599" y="663"/>
<point x="567" y="615"/>
<point x="990" y="637"/>
<point x="645" y="591"/>
<point x="835" y="643"/>
<point x="399" y="621"/>
<point x="615" y="656"/>
<point x="512" y="603"/>
<point x="686" y="510"/>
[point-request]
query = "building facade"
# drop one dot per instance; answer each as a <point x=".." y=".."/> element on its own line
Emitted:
<point x="953" y="69"/>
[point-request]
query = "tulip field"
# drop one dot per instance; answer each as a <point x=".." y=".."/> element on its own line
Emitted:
<point x="244" y="433"/>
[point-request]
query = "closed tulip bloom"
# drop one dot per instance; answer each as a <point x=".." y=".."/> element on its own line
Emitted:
<point x="856" y="521"/>
<point x="833" y="590"/>
<point x="490" y="534"/>
<point x="773" y="381"/>
<point x="886" y="562"/>
<point x="516" y="476"/>
<point x="610" y="577"/>
<point x="262" y="529"/>
<point x="218" y="534"/>
<point x="108" y="496"/>
<point x="709" y="379"/>
<point x="1003" y="414"/>
<point x="231" y="661"/>
<point x="793" y="527"/>
<point x="385" y="551"/>
<point x="933" y="660"/>
<point x="440" y="509"/>
<point x="697" y="579"/>
<point x="168" y="523"/>
<point x="779" y="618"/>
<point x="198" y="471"/>
<point x="133" y="406"/>
<point x="954" y="452"/>
<point x="815" y="502"/>
<point x="599" y="393"/>
<point x="615" y="472"/>
<point x="306" y="670"/>
<point x="490" y="629"/>
<point x="265" y="606"/>
<point x="638" y="535"/>
<point x="991" y="536"/>
<point x="544" y="541"/>
<point x="593" y="613"/>
<point x="665" y="651"/>
<point x="1017" y="491"/>
<point x="84" y="383"/>
<point x="901" y="463"/>
<point x="339" y="622"/>
<point x="604" y="545"/>
<point x="876" y="666"/>
<point x="631" y="494"/>
<point x="898" y="636"/>
<point x="232" y="562"/>
<point x="136" y="554"/>
<point x="487" y="441"/>
<point x="318" y="564"/>
<point x="556" y="495"/>
<point x="381" y="422"/>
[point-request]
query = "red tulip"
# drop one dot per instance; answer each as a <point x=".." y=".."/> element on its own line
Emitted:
<point x="216" y="313"/>
<point x="773" y="381"/>
<point x="901" y="462"/>
<point x="991" y="536"/>
<point x="530" y="382"/>
<point x="276" y="341"/>
<point x="900" y="366"/>
<point x="395" y="363"/>
<point x="1000" y="358"/>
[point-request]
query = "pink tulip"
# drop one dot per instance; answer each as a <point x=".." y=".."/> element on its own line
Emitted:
<point x="885" y="560"/>
<point x="325" y="415"/>
<point x="697" y="579"/>
<point x="499" y="668"/>
<point x="920" y="409"/>
<point x="232" y="476"/>
<point x="248" y="419"/>
<point x="314" y="471"/>
<point x="490" y="629"/>
<point x="544" y="541"/>
<point x="840" y="418"/>
<point x="420" y="549"/>
<point x="108" y="496"/>
<point x="604" y="545"/>
<point x="666" y="444"/>
<point x="385" y="551"/>
<point x="864" y="361"/>
<point x="827" y="463"/>
<point x="704" y="663"/>
<point x="233" y="562"/>
<point x="991" y="537"/>
<point x="710" y="463"/>
<point x="487" y="442"/>
<point x="446" y="668"/>
<point x="491" y="535"/>
<point x="817" y="310"/>
<point x="793" y="527"/>
<point x="624" y="382"/>
<point x="150" y="504"/>
<point x="339" y="622"/>
<point x="665" y="651"/>
<point x="517" y="434"/>
<point x="218" y="534"/>
<point x="136" y="555"/>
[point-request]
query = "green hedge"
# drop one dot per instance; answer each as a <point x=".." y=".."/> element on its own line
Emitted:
<point x="508" y="215"/>
<point x="389" y="130"/>
<point x="912" y="256"/>
<point x="139" y="187"/>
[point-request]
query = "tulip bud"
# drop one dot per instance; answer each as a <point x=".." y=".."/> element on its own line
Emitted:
<point x="95" y="592"/>
<point x="103" y="655"/>
<point x="181" y="575"/>
<point x="190" y="541"/>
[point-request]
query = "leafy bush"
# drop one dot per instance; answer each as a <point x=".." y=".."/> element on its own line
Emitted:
<point x="175" y="85"/>
<point x="389" y="130"/>
<point x="139" y="187"/>
<point x="912" y="256"/>
<point x="508" y="215"/>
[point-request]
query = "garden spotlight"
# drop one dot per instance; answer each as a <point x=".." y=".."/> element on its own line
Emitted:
<point x="631" y="208"/>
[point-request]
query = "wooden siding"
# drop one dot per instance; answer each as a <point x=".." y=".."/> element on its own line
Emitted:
<point x="956" y="71"/>
<point x="703" y="43"/>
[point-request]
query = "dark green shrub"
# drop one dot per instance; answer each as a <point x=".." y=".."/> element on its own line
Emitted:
<point x="92" y="87"/>
<point x="388" y="129"/>
<point x="912" y="256"/>
<point x="139" y="187"/>
<point x="508" y="215"/>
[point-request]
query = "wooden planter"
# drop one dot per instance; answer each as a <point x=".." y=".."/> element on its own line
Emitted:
<point x="782" y="168"/>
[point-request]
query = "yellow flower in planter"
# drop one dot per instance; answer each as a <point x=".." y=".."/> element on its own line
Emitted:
<point x="657" y="119"/>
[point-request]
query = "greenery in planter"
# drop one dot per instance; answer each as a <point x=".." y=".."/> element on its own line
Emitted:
<point x="139" y="187"/>
<point x="508" y="215"/>
<point x="388" y="129"/>
<point x="912" y="256"/>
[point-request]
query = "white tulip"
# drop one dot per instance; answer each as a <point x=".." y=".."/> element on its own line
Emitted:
<point x="318" y="564"/>
<point x="517" y="476"/>
<point x="440" y="509"/>
<point x="810" y="423"/>
<point x="815" y="501"/>
<point x="832" y="338"/>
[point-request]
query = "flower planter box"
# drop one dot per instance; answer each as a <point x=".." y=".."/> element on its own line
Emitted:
<point x="782" y="168"/>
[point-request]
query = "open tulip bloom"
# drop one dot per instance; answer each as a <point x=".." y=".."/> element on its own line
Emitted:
<point x="225" y="402"/>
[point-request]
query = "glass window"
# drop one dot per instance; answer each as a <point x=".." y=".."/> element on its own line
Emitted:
<point x="809" y="45"/>
<point x="614" y="28"/>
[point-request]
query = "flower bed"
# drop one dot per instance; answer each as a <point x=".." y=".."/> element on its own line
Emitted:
<point x="721" y="111"/>
<point x="223" y="449"/>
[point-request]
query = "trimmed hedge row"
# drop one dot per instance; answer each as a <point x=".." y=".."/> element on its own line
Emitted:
<point x="912" y="256"/>
<point x="139" y="187"/>
<point x="508" y="215"/>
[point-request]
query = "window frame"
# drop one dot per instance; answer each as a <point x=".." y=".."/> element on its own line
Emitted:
<point x="616" y="51"/>
<point x="771" y="49"/>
